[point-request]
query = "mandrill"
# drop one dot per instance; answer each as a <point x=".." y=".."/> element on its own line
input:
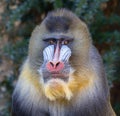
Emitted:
<point x="63" y="74"/>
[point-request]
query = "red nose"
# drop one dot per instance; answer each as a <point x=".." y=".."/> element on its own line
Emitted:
<point x="55" y="66"/>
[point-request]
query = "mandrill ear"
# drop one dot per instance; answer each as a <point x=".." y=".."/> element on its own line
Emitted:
<point x="65" y="53"/>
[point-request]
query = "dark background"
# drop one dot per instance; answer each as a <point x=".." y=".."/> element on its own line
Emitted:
<point x="19" y="17"/>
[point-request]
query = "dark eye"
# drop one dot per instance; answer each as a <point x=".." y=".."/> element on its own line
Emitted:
<point x="51" y="41"/>
<point x="65" y="42"/>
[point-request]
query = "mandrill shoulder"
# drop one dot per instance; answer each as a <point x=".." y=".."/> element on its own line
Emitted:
<point x="25" y="96"/>
<point x="96" y="60"/>
<point x="28" y="76"/>
<point x="98" y="68"/>
<point x="28" y="79"/>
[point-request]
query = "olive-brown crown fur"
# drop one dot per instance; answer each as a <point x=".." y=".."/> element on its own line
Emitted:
<point x="60" y="22"/>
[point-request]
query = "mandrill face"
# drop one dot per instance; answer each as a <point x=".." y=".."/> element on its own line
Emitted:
<point x="56" y="60"/>
<point x="58" y="47"/>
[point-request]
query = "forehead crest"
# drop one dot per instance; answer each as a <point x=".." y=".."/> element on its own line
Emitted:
<point x="59" y="21"/>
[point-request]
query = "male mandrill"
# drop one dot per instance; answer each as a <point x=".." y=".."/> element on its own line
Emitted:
<point x="63" y="74"/>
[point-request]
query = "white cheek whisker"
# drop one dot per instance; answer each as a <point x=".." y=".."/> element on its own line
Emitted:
<point x="44" y="56"/>
<point x="65" y="53"/>
<point x="48" y="53"/>
<point x="66" y="58"/>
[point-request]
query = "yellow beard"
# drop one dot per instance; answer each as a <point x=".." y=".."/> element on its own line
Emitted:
<point x="56" y="88"/>
<point x="59" y="89"/>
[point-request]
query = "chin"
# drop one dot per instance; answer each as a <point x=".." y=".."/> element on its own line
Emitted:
<point x="56" y="89"/>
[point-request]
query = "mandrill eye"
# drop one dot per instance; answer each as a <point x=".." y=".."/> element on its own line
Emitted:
<point x="65" y="42"/>
<point x="52" y="41"/>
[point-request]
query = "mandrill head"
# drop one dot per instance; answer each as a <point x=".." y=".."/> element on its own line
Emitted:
<point x="58" y="52"/>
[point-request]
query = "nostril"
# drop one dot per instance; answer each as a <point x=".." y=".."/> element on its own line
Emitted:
<point x="52" y="64"/>
<point x="57" y="64"/>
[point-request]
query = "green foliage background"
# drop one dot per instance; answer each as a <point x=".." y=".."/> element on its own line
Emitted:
<point x="26" y="14"/>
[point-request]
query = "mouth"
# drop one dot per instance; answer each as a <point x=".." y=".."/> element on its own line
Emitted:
<point x="62" y="75"/>
<point x="55" y="75"/>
